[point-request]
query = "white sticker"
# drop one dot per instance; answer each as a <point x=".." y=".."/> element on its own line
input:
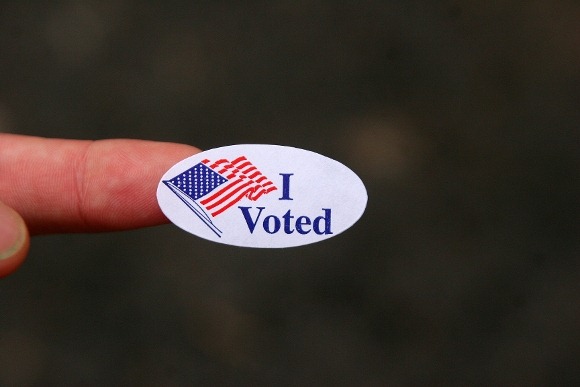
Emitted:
<point x="262" y="196"/>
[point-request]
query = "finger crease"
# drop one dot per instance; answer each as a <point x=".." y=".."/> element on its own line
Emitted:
<point x="81" y="185"/>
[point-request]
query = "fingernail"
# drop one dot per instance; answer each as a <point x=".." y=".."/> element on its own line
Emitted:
<point x="12" y="234"/>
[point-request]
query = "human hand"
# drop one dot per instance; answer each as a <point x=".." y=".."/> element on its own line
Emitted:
<point x="57" y="186"/>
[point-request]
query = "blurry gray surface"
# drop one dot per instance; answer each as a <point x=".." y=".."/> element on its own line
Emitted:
<point x="461" y="117"/>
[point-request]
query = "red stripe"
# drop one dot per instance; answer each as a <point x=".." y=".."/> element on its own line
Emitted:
<point x="241" y="158"/>
<point x="256" y="195"/>
<point x="231" y="203"/>
<point x="227" y="167"/>
<point x="244" y="165"/>
<point x="217" y="163"/>
<point x="229" y="195"/>
<point x="220" y="192"/>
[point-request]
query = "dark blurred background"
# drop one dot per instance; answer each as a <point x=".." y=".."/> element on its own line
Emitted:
<point x="461" y="117"/>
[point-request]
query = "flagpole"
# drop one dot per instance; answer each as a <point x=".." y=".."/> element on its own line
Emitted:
<point x="197" y="210"/>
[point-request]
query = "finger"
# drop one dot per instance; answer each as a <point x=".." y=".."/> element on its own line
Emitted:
<point x="14" y="240"/>
<point x="81" y="186"/>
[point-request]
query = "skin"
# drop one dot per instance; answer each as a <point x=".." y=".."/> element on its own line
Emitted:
<point x="64" y="186"/>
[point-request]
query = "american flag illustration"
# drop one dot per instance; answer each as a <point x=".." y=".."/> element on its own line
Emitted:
<point x="210" y="188"/>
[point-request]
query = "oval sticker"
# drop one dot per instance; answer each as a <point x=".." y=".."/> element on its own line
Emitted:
<point x="262" y="196"/>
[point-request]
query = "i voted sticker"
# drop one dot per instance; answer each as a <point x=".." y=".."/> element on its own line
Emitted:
<point x="262" y="196"/>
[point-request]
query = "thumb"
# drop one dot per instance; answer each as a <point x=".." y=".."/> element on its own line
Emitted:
<point x="14" y="240"/>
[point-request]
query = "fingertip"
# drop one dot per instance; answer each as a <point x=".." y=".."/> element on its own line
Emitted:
<point x="14" y="240"/>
